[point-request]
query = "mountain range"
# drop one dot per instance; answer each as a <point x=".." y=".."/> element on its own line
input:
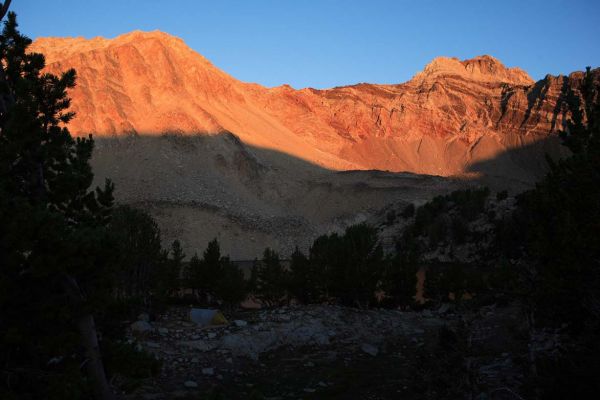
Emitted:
<point x="209" y="155"/>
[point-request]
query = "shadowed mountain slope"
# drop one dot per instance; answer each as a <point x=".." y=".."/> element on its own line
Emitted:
<point x="204" y="186"/>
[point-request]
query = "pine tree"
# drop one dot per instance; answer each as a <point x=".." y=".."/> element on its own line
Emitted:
<point x="305" y="283"/>
<point x="271" y="279"/>
<point x="556" y="226"/>
<point x="559" y="219"/>
<point x="212" y="268"/>
<point x="355" y="279"/>
<point x="400" y="281"/>
<point x="327" y="258"/>
<point x="139" y="253"/>
<point x="231" y="287"/>
<point x="53" y="241"/>
<point x="172" y="270"/>
<point x="193" y="274"/>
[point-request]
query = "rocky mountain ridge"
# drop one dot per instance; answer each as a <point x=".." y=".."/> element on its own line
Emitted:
<point x="210" y="156"/>
<point x="449" y="117"/>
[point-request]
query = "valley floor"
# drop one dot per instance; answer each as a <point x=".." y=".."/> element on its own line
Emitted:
<point x="304" y="352"/>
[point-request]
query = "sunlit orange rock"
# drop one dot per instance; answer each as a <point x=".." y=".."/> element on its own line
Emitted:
<point x="450" y="116"/>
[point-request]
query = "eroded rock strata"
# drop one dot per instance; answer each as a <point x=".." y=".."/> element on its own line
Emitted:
<point x="449" y="117"/>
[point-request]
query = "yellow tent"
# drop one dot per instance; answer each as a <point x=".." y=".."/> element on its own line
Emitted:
<point x="207" y="317"/>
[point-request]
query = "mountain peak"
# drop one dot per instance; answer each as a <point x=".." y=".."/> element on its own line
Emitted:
<point x="60" y="48"/>
<point x="480" y="68"/>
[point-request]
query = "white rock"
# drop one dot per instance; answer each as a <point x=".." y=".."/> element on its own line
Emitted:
<point x="369" y="349"/>
<point x="444" y="308"/>
<point x="141" y="327"/>
<point x="240" y="323"/>
<point x="144" y="317"/>
<point x="190" y="384"/>
<point x="208" y="371"/>
<point x="212" y="335"/>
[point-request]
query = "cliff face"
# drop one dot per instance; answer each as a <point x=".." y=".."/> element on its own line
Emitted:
<point x="447" y="120"/>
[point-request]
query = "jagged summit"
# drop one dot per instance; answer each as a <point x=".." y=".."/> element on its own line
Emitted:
<point x="60" y="48"/>
<point x="480" y="68"/>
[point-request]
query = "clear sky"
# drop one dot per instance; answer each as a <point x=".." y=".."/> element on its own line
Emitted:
<point x="329" y="43"/>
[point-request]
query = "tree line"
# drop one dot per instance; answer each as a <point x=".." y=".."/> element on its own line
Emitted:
<point x="348" y="269"/>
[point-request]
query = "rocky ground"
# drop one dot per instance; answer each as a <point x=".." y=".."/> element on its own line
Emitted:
<point x="315" y="352"/>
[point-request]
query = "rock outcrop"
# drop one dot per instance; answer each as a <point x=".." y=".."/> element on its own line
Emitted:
<point x="449" y="119"/>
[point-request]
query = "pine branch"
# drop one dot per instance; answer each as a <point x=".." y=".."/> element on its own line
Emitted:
<point x="4" y="8"/>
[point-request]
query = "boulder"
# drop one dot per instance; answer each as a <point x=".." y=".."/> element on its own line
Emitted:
<point x="369" y="349"/>
<point x="141" y="327"/>
<point x="144" y="317"/>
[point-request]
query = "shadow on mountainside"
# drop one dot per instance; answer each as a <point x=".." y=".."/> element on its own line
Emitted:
<point x="519" y="168"/>
<point x="205" y="186"/>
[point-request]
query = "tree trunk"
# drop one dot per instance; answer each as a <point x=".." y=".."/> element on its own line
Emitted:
<point x="532" y="351"/>
<point x="93" y="364"/>
<point x="89" y="340"/>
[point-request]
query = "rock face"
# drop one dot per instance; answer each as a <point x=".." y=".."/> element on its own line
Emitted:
<point x="452" y="115"/>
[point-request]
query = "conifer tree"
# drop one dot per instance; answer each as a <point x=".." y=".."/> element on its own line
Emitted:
<point x="212" y="268"/>
<point x="359" y="266"/>
<point x="557" y="225"/>
<point x="271" y="279"/>
<point x="170" y="277"/>
<point x="231" y="287"/>
<point x="400" y="280"/>
<point x="192" y="274"/>
<point x="305" y="283"/>
<point x="139" y="254"/>
<point x="53" y="241"/>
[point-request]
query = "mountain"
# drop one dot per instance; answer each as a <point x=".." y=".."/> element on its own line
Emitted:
<point x="210" y="155"/>
<point x="449" y="116"/>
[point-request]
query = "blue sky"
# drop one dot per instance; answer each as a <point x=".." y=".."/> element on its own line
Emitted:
<point x="329" y="43"/>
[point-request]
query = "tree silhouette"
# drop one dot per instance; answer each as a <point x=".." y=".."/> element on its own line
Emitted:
<point x="139" y="253"/>
<point x="53" y="241"/>
<point x="305" y="283"/>
<point x="271" y="279"/>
